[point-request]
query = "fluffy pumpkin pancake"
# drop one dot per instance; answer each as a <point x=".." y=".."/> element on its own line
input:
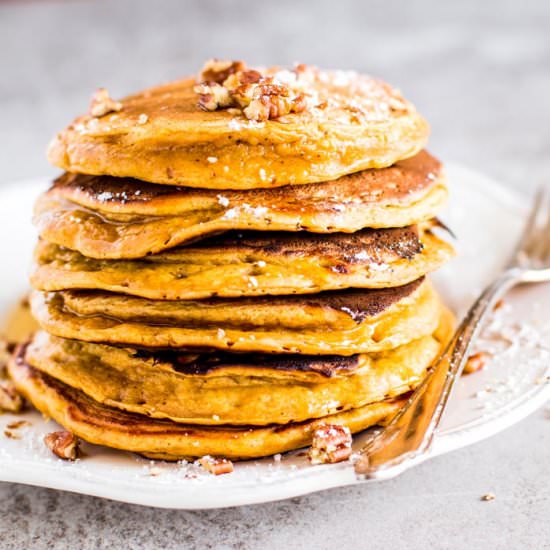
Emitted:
<point x="353" y="122"/>
<point x="221" y="388"/>
<point x="252" y="264"/>
<point x="105" y="217"/>
<point x="164" y="439"/>
<point x="341" y="322"/>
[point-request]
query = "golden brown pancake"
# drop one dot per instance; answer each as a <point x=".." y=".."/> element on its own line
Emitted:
<point x="360" y="123"/>
<point x="223" y="388"/>
<point x="104" y="217"/>
<point x="341" y="322"/>
<point x="252" y="264"/>
<point x="167" y="440"/>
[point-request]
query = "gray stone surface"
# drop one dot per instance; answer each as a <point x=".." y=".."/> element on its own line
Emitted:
<point x="480" y="72"/>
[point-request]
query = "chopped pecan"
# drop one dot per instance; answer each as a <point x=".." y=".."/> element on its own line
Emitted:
<point x="213" y="96"/>
<point x="476" y="362"/>
<point x="259" y="95"/>
<point x="265" y="99"/>
<point x="18" y="424"/>
<point x="331" y="443"/>
<point x="274" y="106"/>
<point x="65" y="445"/>
<point x="280" y="106"/>
<point x="10" y="434"/>
<point x="10" y="400"/>
<point x="240" y="82"/>
<point x="216" y="70"/>
<point x="216" y="466"/>
<point x="102" y="103"/>
<point x="258" y="109"/>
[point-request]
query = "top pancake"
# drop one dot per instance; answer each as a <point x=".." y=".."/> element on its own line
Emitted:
<point x="161" y="135"/>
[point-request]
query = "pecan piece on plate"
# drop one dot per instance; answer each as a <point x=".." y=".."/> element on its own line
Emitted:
<point x="10" y="400"/>
<point x="216" y="466"/>
<point x="476" y="362"/>
<point x="331" y="443"/>
<point x="63" y="444"/>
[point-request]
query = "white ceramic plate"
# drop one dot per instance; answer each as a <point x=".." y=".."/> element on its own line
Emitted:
<point x="487" y="220"/>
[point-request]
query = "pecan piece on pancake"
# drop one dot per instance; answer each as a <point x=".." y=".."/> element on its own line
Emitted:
<point x="213" y="96"/>
<point x="274" y="106"/>
<point x="263" y="97"/>
<point x="476" y="362"/>
<point x="102" y="104"/>
<point x="63" y="444"/>
<point x="10" y="400"/>
<point x="216" y="466"/>
<point x="223" y="84"/>
<point x="217" y="70"/>
<point x="331" y="443"/>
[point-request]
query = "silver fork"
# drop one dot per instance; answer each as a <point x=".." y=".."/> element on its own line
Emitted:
<point x="408" y="437"/>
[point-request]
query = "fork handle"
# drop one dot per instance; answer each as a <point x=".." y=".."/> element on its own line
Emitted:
<point x="409" y="435"/>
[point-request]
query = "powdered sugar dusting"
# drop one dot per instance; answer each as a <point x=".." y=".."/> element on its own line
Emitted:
<point x="519" y="354"/>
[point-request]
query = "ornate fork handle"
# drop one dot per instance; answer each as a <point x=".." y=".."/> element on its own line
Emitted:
<point x="409" y="435"/>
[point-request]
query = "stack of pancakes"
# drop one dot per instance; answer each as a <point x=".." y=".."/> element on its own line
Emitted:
<point x="214" y="284"/>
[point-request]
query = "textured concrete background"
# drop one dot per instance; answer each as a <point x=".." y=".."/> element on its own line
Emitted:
<point x="480" y="72"/>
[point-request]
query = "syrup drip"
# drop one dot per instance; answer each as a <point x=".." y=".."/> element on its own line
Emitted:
<point x="18" y="325"/>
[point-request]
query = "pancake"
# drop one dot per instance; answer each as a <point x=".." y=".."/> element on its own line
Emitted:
<point x="161" y="135"/>
<point x="221" y="388"/>
<point x="112" y="218"/>
<point x="252" y="264"/>
<point x="341" y="322"/>
<point x="167" y="440"/>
